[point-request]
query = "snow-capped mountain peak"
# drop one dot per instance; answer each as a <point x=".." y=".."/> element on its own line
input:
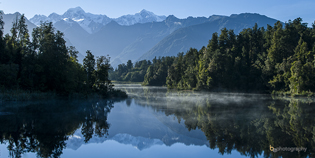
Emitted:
<point x="76" y="10"/>
<point x="77" y="140"/>
<point x="89" y="22"/>
<point x="145" y="13"/>
<point x="74" y="13"/>
<point x="92" y="22"/>
<point x="143" y="16"/>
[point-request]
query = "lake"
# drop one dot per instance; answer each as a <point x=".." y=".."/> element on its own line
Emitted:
<point x="156" y="122"/>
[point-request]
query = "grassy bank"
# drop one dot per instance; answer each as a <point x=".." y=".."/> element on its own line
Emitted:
<point x="303" y="94"/>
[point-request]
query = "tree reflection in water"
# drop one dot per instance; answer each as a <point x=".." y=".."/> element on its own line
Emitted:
<point x="246" y="123"/>
<point x="43" y="127"/>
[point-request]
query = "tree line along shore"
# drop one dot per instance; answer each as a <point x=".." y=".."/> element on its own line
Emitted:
<point x="278" y="59"/>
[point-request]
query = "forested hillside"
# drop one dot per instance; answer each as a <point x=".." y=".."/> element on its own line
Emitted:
<point x="197" y="35"/>
<point x="278" y="58"/>
<point x="45" y="64"/>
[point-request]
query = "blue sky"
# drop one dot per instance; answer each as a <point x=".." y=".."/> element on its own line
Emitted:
<point x="279" y="9"/>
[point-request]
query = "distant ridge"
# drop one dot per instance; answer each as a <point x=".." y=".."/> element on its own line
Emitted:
<point x="197" y="36"/>
<point x="9" y="18"/>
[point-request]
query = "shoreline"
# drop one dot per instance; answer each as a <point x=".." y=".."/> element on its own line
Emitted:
<point x="26" y="95"/>
<point x="306" y="95"/>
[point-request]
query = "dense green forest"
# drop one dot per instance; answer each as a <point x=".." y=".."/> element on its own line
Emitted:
<point x="130" y="72"/>
<point x="275" y="59"/>
<point x="45" y="64"/>
<point x="143" y="71"/>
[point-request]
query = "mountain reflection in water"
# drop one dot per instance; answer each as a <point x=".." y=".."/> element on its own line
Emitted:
<point x="239" y="124"/>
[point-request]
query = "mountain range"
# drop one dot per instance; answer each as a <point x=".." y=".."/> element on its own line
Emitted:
<point x="92" y="23"/>
<point x="143" y="35"/>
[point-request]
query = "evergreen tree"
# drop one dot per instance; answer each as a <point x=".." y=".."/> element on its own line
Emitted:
<point x="129" y="65"/>
<point x="89" y="67"/>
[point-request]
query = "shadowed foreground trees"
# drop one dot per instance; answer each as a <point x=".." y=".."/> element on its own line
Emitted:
<point x="45" y="64"/>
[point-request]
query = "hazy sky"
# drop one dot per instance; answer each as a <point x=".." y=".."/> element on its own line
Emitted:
<point x="279" y="9"/>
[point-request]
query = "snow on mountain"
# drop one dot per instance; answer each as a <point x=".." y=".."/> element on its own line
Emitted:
<point x="89" y="22"/>
<point x="139" y="142"/>
<point x="93" y="23"/>
<point x="74" y="13"/>
<point x="77" y="140"/>
<point x="143" y="16"/>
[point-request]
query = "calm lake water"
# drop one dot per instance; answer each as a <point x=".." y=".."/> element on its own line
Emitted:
<point x="156" y="122"/>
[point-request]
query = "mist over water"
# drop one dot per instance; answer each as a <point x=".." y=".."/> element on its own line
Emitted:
<point x="173" y="101"/>
<point x="162" y="94"/>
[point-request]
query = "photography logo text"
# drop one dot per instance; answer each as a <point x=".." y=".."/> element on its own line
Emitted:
<point x="291" y="149"/>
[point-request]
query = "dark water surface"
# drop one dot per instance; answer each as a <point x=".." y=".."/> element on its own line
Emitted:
<point x="156" y="122"/>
